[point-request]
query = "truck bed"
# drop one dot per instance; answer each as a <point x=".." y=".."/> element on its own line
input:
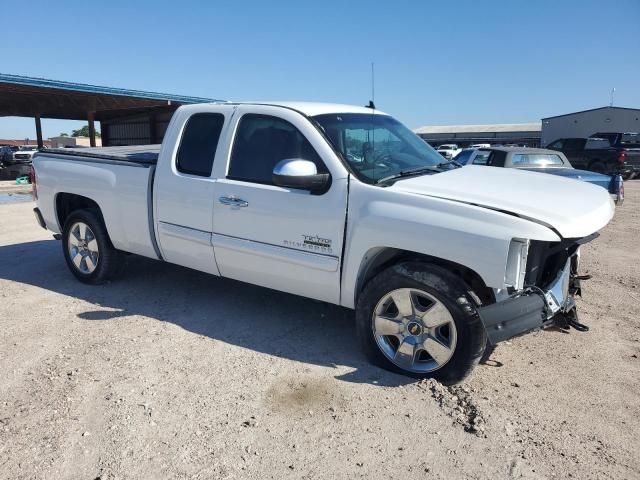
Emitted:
<point x="118" y="179"/>
<point x="143" y="155"/>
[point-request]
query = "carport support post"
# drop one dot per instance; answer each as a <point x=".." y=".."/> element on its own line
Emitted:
<point x="92" y="130"/>
<point x="39" y="132"/>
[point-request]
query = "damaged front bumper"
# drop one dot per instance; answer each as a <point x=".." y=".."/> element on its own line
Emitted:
<point x="534" y="308"/>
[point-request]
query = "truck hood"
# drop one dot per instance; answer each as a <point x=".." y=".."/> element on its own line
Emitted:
<point x="574" y="209"/>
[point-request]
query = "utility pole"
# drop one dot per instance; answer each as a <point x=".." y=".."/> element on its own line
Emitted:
<point x="613" y="90"/>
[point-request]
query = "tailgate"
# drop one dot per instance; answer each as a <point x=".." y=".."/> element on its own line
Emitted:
<point x="632" y="158"/>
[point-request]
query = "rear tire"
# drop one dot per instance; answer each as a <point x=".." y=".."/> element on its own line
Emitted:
<point x="438" y="336"/>
<point x="87" y="249"/>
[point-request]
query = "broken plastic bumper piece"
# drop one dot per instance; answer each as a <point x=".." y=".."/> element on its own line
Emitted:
<point x="534" y="308"/>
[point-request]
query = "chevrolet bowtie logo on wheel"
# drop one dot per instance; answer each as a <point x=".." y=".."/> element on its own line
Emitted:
<point x="414" y="328"/>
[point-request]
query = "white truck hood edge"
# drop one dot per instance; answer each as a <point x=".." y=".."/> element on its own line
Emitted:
<point x="573" y="208"/>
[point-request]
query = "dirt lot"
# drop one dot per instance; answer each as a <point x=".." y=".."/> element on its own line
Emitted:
<point x="169" y="373"/>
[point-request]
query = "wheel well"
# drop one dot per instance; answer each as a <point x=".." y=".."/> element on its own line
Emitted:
<point x="380" y="259"/>
<point x="70" y="202"/>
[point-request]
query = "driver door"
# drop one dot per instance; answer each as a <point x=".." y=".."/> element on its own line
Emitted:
<point x="282" y="238"/>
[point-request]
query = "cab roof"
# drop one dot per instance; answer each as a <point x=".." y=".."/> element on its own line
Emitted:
<point x="314" y="108"/>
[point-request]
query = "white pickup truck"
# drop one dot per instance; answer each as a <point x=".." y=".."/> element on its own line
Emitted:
<point x="449" y="150"/>
<point x="341" y="204"/>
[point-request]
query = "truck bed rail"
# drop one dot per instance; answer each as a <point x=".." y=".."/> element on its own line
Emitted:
<point x="134" y="155"/>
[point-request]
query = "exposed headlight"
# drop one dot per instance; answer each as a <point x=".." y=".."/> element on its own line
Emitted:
<point x="516" y="263"/>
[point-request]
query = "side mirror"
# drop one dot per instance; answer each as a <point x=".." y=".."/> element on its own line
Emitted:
<point x="301" y="174"/>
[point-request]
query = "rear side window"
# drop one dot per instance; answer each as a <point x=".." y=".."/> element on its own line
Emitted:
<point x="597" y="143"/>
<point x="199" y="142"/>
<point x="261" y="142"/>
<point x="574" y="143"/>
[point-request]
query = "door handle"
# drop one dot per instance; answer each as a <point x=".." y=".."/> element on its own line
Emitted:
<point x="233" y="201"/>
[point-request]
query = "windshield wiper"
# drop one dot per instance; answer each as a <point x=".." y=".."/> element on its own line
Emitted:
<point x="449" y="162"/>
<point x="410" y="172"/>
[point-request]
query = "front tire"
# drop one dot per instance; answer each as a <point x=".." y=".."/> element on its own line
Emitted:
<point x="87" y="249"/>
<point x="418" y="320"/>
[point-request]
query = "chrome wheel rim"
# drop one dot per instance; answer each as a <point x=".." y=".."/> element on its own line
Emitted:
<point x="83" y="248"/>
<point x="414" y="330"/>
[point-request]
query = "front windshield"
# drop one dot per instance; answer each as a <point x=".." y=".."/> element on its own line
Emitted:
<point x="377" y="146"/>
<point x="463" y="157"/>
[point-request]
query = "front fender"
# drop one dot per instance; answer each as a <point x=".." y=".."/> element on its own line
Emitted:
<point x="475" y="237"/>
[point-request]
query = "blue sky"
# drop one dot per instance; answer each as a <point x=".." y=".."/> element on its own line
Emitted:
<point x="437" y="62"/>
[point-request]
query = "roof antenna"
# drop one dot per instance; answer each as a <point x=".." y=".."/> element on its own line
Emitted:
<point x="373" y="90"/>
<point x="613" y="90"/>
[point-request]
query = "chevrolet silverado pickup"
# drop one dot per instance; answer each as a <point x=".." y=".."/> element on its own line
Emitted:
<point x="340" y="204"/>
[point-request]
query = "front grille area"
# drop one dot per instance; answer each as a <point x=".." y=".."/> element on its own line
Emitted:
<point x="22" y="156"/>
<point x="546" y="259"/>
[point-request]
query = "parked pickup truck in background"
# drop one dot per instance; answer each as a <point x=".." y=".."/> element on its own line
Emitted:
<point x="620" y="140"/>
<point x="305" y="198"/>
<point x="448" y="150"/>
<point x="600" y="154"/>
<point x="23" y="155"/>
<point x="542" y="161"/>
<point x="17" y="162"/>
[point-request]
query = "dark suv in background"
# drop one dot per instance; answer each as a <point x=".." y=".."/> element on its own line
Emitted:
<point x="6" y="154"/>
<point x="610" y="153"/>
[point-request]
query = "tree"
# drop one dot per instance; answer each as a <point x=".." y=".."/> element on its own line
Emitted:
<point x="83" y="132"/>
<point x="63" y="134"/>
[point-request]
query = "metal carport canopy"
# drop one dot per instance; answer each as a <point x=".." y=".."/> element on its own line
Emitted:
<point x="43" y="98"/>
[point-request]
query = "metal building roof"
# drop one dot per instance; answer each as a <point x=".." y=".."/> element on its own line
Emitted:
<point x="44" y="98"/>
<point x="86" y="88"/>
<point x="592" y="110"/>
<point x="494" y="128"/>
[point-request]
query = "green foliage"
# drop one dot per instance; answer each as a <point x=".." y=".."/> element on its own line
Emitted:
<point x="83" y="132"/>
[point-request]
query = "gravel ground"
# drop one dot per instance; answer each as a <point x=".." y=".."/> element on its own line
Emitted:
<point x="170" y="373"/>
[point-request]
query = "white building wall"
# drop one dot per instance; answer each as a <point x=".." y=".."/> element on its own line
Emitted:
<point x="62" y="142"/>
<point x="584" y="124"/>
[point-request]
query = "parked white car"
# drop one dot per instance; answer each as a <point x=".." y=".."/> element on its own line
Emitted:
<point x="480" y="145"/>
<point x="448" y="150"/>
<point x="340" y="204"/>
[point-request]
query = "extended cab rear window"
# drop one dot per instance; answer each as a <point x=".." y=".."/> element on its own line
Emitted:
<point x="261" y="142"/>
<point x="199" y="142"/>
<point x="597" y="143"/>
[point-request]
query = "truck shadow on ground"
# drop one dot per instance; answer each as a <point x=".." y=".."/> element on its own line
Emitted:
<point x="237" y="313"/>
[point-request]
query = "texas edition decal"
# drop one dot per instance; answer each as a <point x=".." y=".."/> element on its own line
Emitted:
<point x="313" y="243"/>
